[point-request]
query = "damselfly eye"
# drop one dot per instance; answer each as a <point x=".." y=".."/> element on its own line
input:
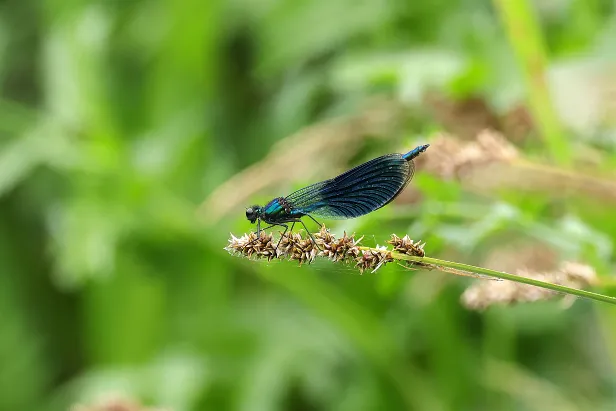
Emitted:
<point x="252" y="214"/>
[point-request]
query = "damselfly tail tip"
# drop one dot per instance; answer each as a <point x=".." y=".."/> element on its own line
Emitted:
<point x="415" y="152"/>
<point x="422" y="148"/>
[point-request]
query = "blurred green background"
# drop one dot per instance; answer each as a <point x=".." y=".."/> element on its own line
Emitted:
<point x="124" y="122"/>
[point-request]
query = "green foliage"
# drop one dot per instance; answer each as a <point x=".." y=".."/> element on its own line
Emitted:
<point x="118" y="118"/>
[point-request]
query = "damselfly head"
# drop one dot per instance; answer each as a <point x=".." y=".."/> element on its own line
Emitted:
<point x="253" y="212"/>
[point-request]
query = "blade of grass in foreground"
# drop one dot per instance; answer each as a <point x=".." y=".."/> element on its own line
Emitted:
<point x="526" y="39"/>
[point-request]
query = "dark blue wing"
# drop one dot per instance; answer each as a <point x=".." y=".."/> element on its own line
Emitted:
<point x="356" y="192"/>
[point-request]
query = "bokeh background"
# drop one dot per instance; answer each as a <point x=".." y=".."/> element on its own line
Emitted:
<point x="133" y="134"/>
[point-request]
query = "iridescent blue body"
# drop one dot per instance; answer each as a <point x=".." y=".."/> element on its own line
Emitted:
<point x="357" y="192"/>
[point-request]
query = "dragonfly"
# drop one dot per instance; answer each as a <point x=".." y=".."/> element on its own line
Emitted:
<point x="354" y="193"/>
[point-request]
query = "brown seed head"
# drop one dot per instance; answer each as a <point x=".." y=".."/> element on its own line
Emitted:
<point x="450" y="158"/>
<point x="250" y="245"/>
<point x="484" y="294"/>
<point x="407" y="246"/>
<point x="345" y="248"/>
<point x="303" y="250"/>
<point x="373" y="259"/>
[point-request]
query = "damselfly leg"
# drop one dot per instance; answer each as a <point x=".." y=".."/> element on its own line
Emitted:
<point x="315" y="220"/>
<point x="259" y="232"/>
<point x="286" y="228"/>
<point x="310" y="234"/>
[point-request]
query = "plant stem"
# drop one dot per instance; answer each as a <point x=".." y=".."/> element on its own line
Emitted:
<point x="439" y="264"/>
<point x="526" y="39"/>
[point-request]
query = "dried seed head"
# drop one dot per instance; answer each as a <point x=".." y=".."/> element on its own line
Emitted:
<point x="345" y="248"/>
<point x="464" y="117"/>
<point x="250" y="245"/>
<point x="407" y="246"/>
<point x="451" y="158"/>
<point x="517" y="123"/>
<point x="530" y="254"/>
<point x="324" y="236"/>
<point x="483" y="294"/>
<point x="303" y="250"/>
<point x="373" y="259"/>
<point x="287" y="244"/>
<point x="578" y="275"/>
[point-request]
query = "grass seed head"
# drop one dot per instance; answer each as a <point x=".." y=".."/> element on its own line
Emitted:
<point x="294" y="247"/>
<point x="250" y="245"/>
<point x="452" y="158"/>
<point x="303" y="250"/>
<point x="484" y="294"/>
<point x="338" y="249"/>
<point x="373" y="259"/>
<point x="407" y="246"/>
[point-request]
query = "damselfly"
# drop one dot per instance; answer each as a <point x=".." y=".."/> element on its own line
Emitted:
<point x="354" y="193"/>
